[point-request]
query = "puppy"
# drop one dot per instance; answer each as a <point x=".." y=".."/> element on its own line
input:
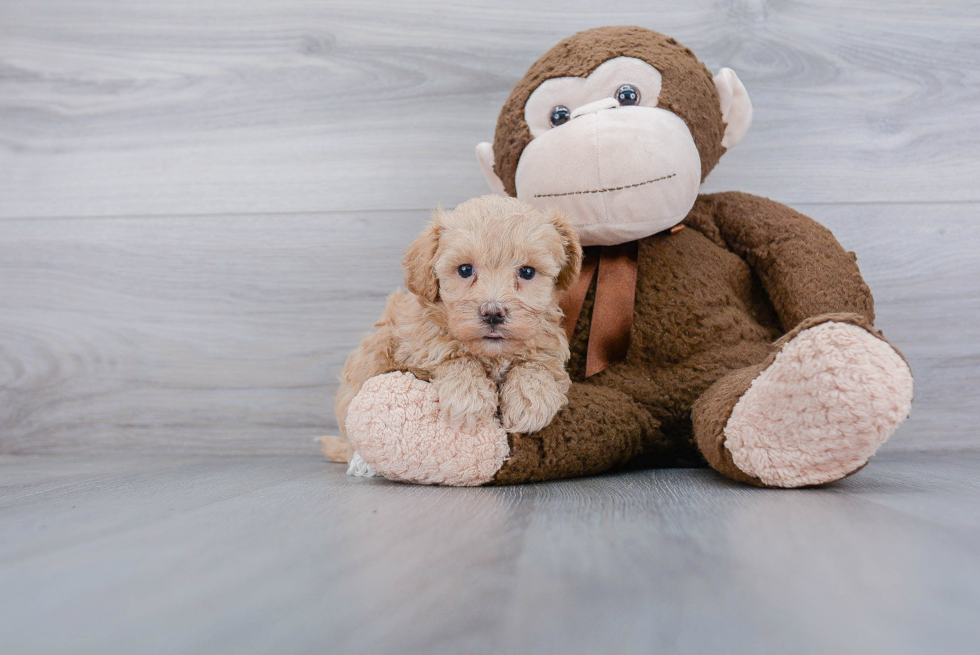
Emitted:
<point x="481" y="320"/>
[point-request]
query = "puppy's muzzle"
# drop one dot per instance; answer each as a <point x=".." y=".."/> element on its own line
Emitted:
<point x="493" y="313"/>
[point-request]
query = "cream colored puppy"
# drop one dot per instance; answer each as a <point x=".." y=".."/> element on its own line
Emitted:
<point x="481" y="320"/>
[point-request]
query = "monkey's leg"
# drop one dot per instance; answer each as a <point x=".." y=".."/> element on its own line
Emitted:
<point x="815" y="411"/>
<point x="394" y="424"/>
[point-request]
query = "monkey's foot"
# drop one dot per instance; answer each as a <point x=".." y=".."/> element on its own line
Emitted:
<point x="831" y="398"/>
<point x="393" y="423"/>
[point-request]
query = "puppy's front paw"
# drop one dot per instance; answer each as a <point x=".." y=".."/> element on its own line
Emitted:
<point x="466" y="399"/>
<point x="530" y="398"/>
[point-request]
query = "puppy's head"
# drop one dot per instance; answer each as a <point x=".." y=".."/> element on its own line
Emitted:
<point x="495" y="267"/>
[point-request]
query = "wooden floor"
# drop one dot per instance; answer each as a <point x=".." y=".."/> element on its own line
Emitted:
<point x="138" y="554"/>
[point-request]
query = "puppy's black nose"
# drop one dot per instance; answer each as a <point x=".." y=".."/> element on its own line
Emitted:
<point x="493" y="313"/>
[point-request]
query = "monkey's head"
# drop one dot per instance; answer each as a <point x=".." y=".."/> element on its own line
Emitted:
<point x="616" y="127"/>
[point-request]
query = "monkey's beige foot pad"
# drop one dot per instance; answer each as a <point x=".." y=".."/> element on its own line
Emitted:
<point x="393" y="423"/>
<point x="832" y="396"/>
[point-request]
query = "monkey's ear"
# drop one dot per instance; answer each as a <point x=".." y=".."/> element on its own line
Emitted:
<point x="736" y="108"/>
<point x="484" y="155"/>
<point x="573" y="252"/>
<point x="420" y="263"/>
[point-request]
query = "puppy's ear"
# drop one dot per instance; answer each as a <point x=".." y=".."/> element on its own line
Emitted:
<point x="572" y="263"/>
<point x="420" y="262"/>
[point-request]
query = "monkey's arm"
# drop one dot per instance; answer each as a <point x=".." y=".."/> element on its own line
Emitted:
<point x="802" y="267"/>
<point x="598" y="430"/>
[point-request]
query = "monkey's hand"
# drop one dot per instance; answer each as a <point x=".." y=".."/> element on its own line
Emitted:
<point x="531" y="396"/>
<point x="466" y="395"/>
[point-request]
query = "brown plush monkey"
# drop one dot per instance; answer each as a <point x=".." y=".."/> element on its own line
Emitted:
<point x="744" y="341"/>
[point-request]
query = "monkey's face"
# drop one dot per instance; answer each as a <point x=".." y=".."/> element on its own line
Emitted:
<point x="619" y="145"/>
<point x="606" y="156"/>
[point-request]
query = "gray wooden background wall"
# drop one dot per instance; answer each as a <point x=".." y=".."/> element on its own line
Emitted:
<point x="203" y="204"/>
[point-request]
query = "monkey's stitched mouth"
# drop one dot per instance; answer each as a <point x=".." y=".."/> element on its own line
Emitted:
<point x="612" y="188"/>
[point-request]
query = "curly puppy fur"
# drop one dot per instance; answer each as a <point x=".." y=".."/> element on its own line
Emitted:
<point x="491" y="341"/>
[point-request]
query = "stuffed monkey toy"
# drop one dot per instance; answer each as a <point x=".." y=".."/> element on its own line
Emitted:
<point x="721" y="329"/>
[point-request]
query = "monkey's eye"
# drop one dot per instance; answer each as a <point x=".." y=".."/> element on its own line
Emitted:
<point x="526" y="272"/>
<point x="560" y="115"/>
<point x="465" y="270"/>
<point x="628" y="95"/>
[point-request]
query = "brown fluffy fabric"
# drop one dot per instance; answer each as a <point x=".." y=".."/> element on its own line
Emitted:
<point x="711" y="303"/>
<point x="600" y="430"/>
<point x="688" y="90"/>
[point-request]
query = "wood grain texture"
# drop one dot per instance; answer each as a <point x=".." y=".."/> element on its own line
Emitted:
<point x="116" y="554"/>
<point x="203" y="205"/>
<point x="113" y="108"/>
<point x="226" y="334"/>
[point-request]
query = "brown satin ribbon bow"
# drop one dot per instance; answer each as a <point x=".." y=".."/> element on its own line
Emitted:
<point x="612" y="312"/>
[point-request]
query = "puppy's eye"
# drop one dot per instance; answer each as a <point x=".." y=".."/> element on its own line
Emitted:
<point x="465" y="270"/>
<point x="628" y="95"/>
<point x="526" y="272"/>
<point x="560" y="115"/>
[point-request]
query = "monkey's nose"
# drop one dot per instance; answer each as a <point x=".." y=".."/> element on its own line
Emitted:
<point x="592" y="107"/>
<point x="493" y="313"/>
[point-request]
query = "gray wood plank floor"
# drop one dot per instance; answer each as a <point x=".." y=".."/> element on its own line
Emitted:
<point x="161" y="108"/>
<point x="203" y="205"/>
<point x="123" y="554"/>
<point x="177" y="335"/>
